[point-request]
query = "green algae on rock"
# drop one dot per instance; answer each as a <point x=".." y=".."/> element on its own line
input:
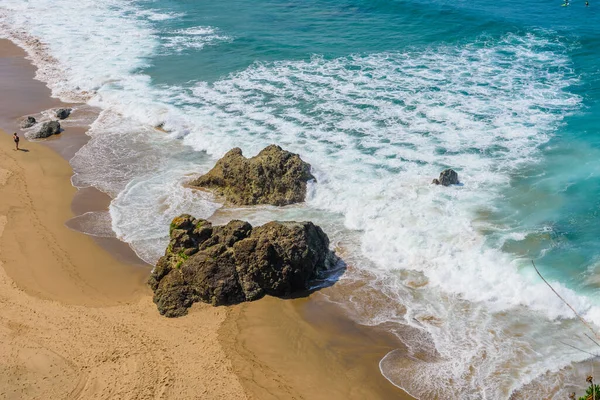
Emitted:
<point x="274" y="176"/>
<point x="233" y="263"/>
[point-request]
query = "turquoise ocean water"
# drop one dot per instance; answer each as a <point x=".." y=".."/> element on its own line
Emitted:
<point x="379" y="96"/>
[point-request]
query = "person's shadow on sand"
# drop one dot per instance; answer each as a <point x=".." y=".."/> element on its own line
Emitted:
<point x="24" y="150"/>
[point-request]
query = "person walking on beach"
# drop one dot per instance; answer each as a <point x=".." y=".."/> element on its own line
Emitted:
<point x="16" y="139"/>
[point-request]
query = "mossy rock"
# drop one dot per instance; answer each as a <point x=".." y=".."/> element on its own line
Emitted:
<point x="233" y="263"/>
<point x="274" y="176"/>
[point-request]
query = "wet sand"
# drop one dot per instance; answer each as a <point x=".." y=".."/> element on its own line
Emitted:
<point x="19" y="92"/>
<point x="77" y="320"/>
<point x="306" y="349"/>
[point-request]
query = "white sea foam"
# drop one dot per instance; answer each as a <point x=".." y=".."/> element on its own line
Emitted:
<point x="193" y="38"/>
<point x="376" y="128"/>
<point x="97" y="47"/>
<point x="154" y="15"/>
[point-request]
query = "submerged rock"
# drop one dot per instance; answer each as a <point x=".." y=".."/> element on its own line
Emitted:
<point x="233" y="263"/>
<point x="161" y="127"/>
<point x="63" y="113"/>
<point x="48" y="129"/>
<point x="274" y="176"/>
<point x="447" y="177"/>
<point x="28" y="122"/>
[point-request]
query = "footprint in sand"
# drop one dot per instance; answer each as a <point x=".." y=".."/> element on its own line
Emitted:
<point x="2" y="224"/>
<point x="4" y="174"/>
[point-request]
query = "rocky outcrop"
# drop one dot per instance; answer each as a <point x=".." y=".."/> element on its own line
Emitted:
<point x="48" y="129"/>
<point x="28" y="122"/>
<point x="274" y="176"/>
<point x="63" y="113"/>
<point x="233" y="263"/>
<point x="447" y="177"/>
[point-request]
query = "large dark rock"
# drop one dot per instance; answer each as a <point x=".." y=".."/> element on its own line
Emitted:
<point x="48" y="129"/>
<point x="447" y="177"/>
<point x="233" y="263"/>
<point x="28" y="122"/>
<point x="63" y="113"/>
<point x="274" y="176"/>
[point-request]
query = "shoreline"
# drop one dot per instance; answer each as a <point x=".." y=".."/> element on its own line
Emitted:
<point x="306" y="348"/>
<point x="264" y="349"/>
<point x="51" y="190"/>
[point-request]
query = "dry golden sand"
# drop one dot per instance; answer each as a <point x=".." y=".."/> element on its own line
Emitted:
<point x="77" y="322"/>
<point x="109" y="342"/>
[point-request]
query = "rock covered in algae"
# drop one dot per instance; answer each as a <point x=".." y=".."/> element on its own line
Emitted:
<point x="274" y="176"/>
<point x="233" y="263"/>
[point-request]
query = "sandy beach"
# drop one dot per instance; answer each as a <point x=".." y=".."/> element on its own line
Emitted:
<point x="77" y="321"/>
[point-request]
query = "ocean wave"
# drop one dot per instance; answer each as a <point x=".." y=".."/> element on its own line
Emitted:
<point x="195" y="38"/>
<point x="98" y="46"/>
<point x="376" y="129"/>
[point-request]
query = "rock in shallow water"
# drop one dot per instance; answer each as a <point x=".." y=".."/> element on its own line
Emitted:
<point x="48" y="129"/>
<point x="63" y="113"/>
<point x="233" y="263"/>
<point x="447" y="177"/>
<point x="274" y="176"/>
<point x="28" y="122"/>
